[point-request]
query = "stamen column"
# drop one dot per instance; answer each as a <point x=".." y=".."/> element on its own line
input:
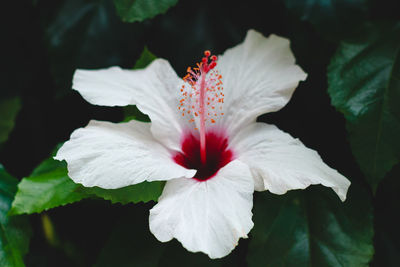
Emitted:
<point x="202" y="112"/>
<point x="205" y="89"/>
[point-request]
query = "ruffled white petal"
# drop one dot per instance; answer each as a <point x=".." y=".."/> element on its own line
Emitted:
<point x="208" y="216"/>
<point x="155" y="91"/>
<point x="280" y="163"/>
<point x="110" y="155"/>
<point x="259" y="76"/>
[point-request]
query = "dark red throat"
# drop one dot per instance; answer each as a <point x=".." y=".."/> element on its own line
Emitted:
<point x="218" y="155"/>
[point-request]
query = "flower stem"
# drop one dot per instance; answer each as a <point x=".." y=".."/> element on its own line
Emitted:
<point x="202" y="119"/>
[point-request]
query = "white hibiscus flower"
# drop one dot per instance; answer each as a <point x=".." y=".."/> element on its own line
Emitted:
<point x="203" y="140"/>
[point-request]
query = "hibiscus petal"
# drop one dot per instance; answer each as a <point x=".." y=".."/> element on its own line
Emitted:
<point x="107" y="87"/>
<point x="208" y="216"/>
<point x="280" y="163"/>
<point x="155" y="91"/>
<point x="112" y="155"/>
<point x="259" y="76"/>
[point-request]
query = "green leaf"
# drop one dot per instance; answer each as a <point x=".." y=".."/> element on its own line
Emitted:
<point x="49" y="186"/>
<point x="335" y="19"/>
<point x="15" y="232"/>
<point x="139" y="10"/>
<point x="364" y="84"/>
<point x="143" y="192"/>
<point x="8" y="109"/>
<point x="145" y="59"/>
<point x="311" y="228"/>
<point x="133" y="113"/>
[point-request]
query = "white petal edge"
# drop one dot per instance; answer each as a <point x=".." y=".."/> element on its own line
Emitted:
<point x="110" y="155"/>
<point x="259" y="76"/>
<point x="155" y="91"/>
<point x="208" y="216"/>
<point x="280" y="162"/>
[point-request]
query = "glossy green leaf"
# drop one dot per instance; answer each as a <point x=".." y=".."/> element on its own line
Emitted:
<point x="311" y="228"/>
<point x="364" y="84"/>
<point x="14" y="231"/>
<point x="49" y="186"/>
<point x="334" y="19"/>
<point x="139" y="10"/>
<point x="9" y="108"/>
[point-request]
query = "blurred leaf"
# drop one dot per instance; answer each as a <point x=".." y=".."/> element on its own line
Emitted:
<point x="87" y="34"/>
<point x="364" y="84"/>
<point x="145" y="59"/>
<point x="334" y="19"/>
<point x="49" y="186"/>
<point x="387" y="231"/>
<point x="9" y="108"/>
<point x="139" y="10"/>
<point x="312" y="228"/>
<point x="131" y="243"/>
<point x="15" y="232"/>
<point x="175" y="255"/>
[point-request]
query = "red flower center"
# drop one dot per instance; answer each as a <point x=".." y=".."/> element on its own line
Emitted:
<point x="217" y="155"/>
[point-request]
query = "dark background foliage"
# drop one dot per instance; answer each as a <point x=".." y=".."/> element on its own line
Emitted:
<point x="44" y="41"/>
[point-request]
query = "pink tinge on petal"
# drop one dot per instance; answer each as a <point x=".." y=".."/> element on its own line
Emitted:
<point x="217" y="154"/>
